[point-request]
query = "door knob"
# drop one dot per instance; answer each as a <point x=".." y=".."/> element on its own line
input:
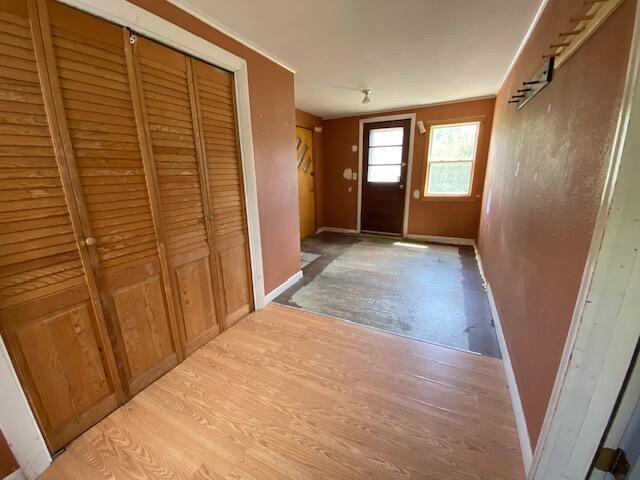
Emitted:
<point x="401" y="187"/>
<point x="90" y="241"/>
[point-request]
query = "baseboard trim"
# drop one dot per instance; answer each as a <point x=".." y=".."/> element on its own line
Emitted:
<point x="444" y="240"/>
<point x="518" y="411"/>
<point x="335" y="230"/>
<point x="268" y="298"/>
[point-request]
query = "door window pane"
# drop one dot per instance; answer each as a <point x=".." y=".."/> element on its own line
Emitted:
<point x="385" y="155"/>
<point x="382" y="137"/>
<point x="453" y="142"/>
<point x="384" y="174"/>
<point x="449" y="178"/>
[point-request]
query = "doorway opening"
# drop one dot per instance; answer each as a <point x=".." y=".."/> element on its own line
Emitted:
<point x="306" y="181"/>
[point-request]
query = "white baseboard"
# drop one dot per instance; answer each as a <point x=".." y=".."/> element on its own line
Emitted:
<point x="17" y="475"/>
<point x="444" y="240"/>
<point x="335" y="230"/>
<point x="521" y="424"/>
<point x="282" y="287"/>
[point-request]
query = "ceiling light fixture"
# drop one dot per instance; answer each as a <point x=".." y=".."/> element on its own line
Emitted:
<point x="366" y="98"/>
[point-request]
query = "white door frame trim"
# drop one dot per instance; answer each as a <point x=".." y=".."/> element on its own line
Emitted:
<point x="604" y="328"/>
<point x="407" y="187"/>
<point x="22" y="431"/>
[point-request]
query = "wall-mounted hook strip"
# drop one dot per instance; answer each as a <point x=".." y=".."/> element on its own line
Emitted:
<point x="586" y="23"/>
<point x="583" y="18"/>
<point x="533" y="86"/>
<point x="571" y="33"/>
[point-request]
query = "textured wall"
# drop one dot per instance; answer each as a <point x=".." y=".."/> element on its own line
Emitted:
<point x="273" y="124"/>
<point x="448" y="218"/>
<point x="547" y="168"/>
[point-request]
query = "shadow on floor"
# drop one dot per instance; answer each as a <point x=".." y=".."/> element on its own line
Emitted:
<point x="424" y="291"/>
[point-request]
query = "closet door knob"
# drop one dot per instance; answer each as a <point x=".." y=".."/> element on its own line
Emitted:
<point x="90" y="241"/>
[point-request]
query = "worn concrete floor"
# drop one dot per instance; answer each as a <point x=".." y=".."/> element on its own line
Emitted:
<point x="425" y="291"/>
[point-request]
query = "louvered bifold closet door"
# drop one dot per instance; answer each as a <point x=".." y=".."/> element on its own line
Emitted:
<point x="50" y="314"/>
<point x="215" y="101"/>
<point x="164" y="81"/>
<point x="89" y="57"/>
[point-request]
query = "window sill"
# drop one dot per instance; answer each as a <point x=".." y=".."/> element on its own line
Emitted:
<point x="445" y="198"/>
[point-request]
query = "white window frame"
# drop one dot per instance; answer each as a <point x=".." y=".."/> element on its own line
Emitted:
<point x="425" y="190"/>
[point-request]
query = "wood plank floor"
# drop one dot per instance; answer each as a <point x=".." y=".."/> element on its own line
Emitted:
<point x="287" y="394"/>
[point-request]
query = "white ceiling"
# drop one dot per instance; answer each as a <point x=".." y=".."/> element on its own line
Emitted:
<point x="409" y="52"/>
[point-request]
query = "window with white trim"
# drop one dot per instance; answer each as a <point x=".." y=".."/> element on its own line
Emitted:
<point x="450" y="159"/>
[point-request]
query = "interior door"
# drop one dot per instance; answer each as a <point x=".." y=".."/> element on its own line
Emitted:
<point x="306" y="181"/>
<point x="50" y="314"/>
<point x="384" y="175"/>
<point x="214" y="90"/>
<point x="166" y="82"/>
<point x="90" y="75"/>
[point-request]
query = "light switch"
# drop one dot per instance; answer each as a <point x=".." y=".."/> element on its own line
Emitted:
<point x="354" y="176"/>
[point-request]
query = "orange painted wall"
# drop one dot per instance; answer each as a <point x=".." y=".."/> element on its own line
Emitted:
<point x="447" y="218"/>
<point x="307" y="120"/>
<point x="546" y="173"/>
<point x="273" y="124"/>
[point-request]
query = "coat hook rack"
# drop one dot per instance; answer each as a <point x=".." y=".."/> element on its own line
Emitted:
<point x="582" y="27"/>
<point x="531" y="88"/>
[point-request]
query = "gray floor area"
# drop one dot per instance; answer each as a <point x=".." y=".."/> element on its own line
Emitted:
<point x="425" y="291"/>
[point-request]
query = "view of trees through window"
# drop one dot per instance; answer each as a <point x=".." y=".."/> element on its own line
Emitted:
<point x="452" y="151"/>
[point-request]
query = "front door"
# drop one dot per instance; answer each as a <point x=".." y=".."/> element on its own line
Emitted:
<point x="384" y="175"/>
<point x="306" y="183"/>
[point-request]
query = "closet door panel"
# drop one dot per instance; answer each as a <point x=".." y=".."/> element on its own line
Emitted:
<point x="164" y="79"/>
<point x="96" y="93"/>
<point x="144" y="327"/>
<point x="195" y="289"/>
<point x="225" y="189"/>
<point x="56" y="350"/>
<point x="48" y="318"/>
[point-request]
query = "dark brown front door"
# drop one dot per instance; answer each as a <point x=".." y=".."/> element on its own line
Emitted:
<point x="384" y="175"/>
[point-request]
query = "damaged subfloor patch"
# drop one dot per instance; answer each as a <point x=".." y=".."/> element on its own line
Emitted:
<point x="424" y="291"/>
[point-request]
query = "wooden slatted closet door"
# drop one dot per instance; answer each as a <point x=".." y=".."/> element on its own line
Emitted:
<point x="53" y="327"/>
<point x="215" y="102"/>
<point x="164" y="81"/>
<point x="93" y="81"/>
